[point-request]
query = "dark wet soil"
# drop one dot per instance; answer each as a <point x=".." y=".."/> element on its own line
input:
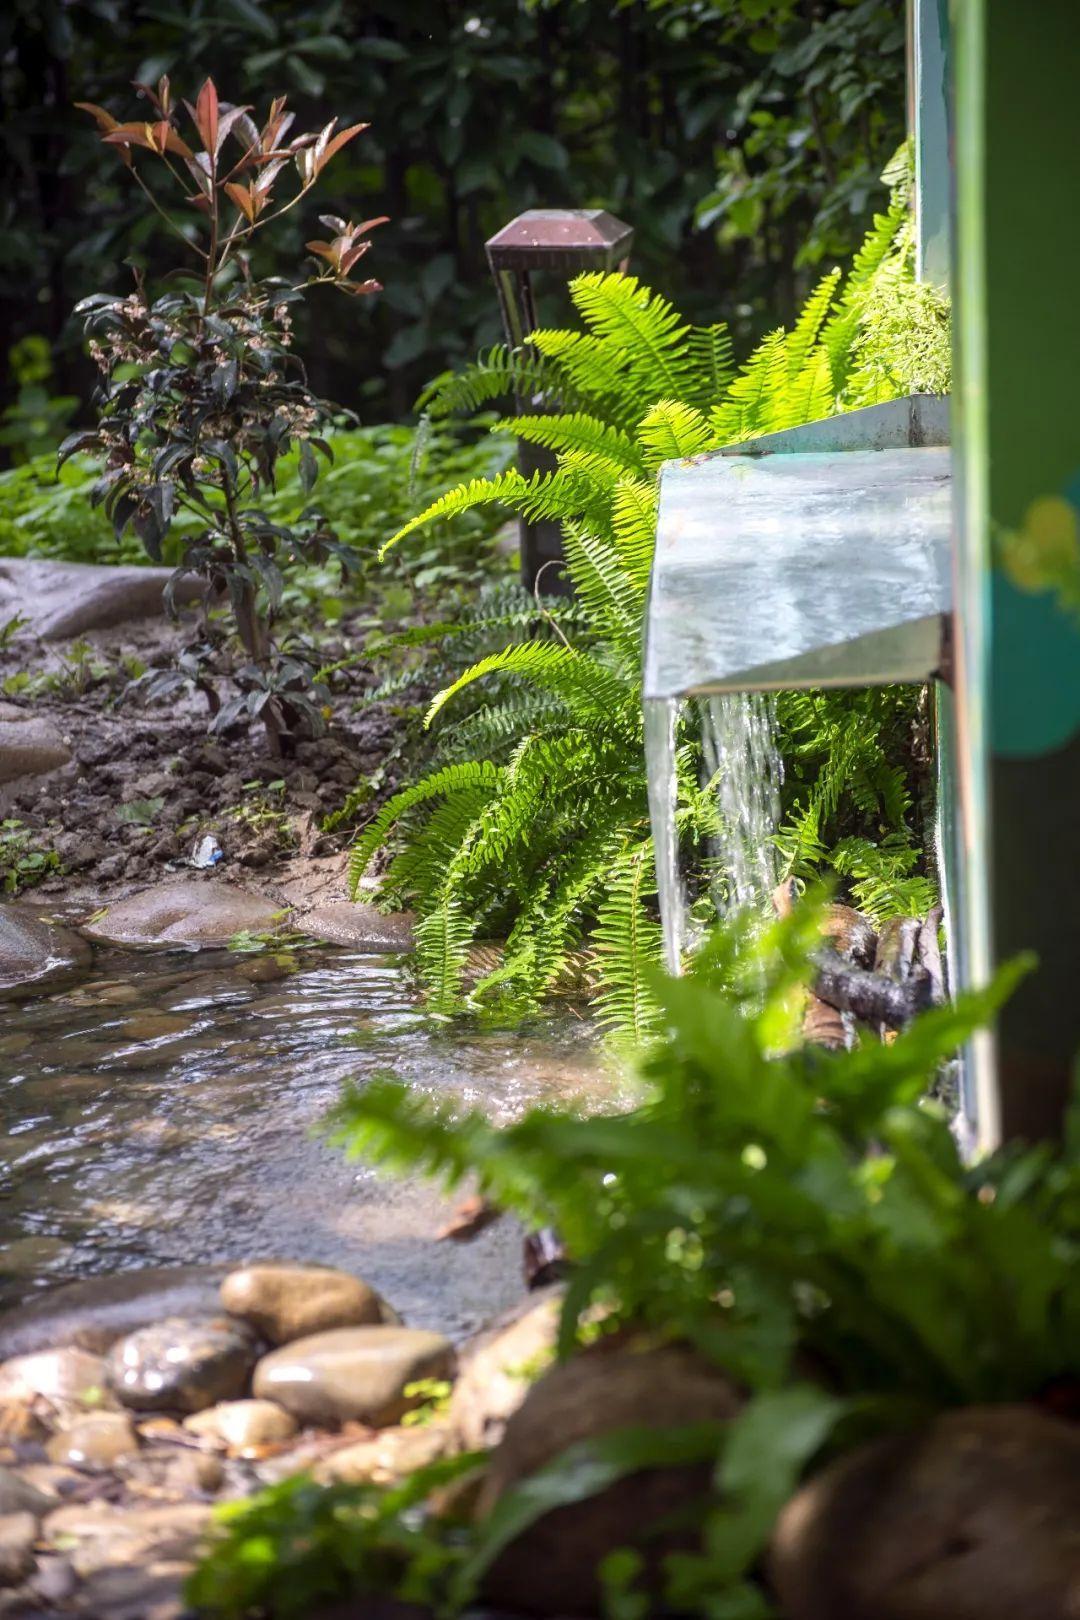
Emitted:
<point x="147" y="783"/>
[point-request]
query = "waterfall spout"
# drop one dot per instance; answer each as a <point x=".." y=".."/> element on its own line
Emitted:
<point x="742" y="758"/>
<point x="661" y="720"/>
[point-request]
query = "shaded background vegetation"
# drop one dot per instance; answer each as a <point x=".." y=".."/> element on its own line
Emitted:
<point x="742" y="138"/>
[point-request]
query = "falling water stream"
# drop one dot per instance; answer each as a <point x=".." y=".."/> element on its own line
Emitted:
<point x="742" y="763"/>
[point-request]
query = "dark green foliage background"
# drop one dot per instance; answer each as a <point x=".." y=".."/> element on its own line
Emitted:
<point x="742" y="138"/>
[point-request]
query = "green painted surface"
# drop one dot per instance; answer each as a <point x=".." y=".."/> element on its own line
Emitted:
<point x="1017" y="130"/>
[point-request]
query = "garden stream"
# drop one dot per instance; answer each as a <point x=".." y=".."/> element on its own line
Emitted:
<point x="160" y="1111"/>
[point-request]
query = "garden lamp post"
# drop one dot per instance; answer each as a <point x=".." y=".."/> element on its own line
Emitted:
<point x="561" y="242"/>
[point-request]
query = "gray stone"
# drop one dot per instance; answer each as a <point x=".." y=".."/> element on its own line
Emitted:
<point x="17" y="1495"/>
<point x="286" y="1302"/>
<point x="353" y="1373"/>
<point x="241" y="1425"/>
<point x="36" y="952"/>
<point x="343" y="923"/>
<point x="192" y="911"/>
<point x="181" y="1364"/>
<point x="97" y="1440"/>
<point x="63" y="599"/>
<point x="29" y="744"/>
<point x="96" y="1312"/>
<point x="18" y="1532"/>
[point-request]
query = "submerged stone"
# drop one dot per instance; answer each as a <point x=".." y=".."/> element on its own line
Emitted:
<point x="18" y="1532"/>
<point x="97" y="1311"/>
<point x="181" y="1364"/>
<point x="286" y="1302"/>
<point x="18" y="1495"/>
<point x="192" y="911"/>
<point x="97" y="1440"/>
<point x="342" y="922"/>
<point x="62" y="1375"/>
<point x="33" y="951"/>
<point x="356" y="1373"/>
<point x="387" y="1458"/>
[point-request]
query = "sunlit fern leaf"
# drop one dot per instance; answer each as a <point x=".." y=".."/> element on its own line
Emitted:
<point x="628" y="943"/>
<point x="752" y="396"/>
<point x="809" y="395"/>
<point x="494" y="729"/>
<point x="443" y="937"/>
<point x="633" y="520"/>
<point x="498" y="373"/>
<point x="807" y="328"/>
<point x="603" y="584"/>
<point x="651" y="335"/>
<point x="576" y="432"/>
<point x="467" y="775"/>
<point x="587" y="690"/>
<point x="669" y="431"/>
<point x="711" y="356"/>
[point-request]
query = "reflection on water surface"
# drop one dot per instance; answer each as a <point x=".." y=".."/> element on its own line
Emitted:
<point x="160" y="1113"/>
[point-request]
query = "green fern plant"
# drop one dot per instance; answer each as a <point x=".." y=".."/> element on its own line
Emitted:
<point x="532" y="825"/>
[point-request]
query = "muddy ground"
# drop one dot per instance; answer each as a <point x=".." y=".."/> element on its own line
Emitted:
<point x="146" y="783"/>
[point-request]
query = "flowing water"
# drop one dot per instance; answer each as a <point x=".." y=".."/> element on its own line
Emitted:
<point x="742" y="760"/>
<point x="161" y="1112"/>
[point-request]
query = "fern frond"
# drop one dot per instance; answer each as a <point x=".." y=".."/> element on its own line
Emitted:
<point x="629" y="945"/>
<point x="610" y="593"/>
<point x="443" y="938"/>
<point x="583" y="685"/>
<point x="752" y="395"/>
<point x="577" y="432"/>
<point x="633" y="521"/>
<point x="651" y="336"/>
<point x="808" y="327"/>
<point x="712" y="360"/>
<point x="499" y="372"/>
<point x="467" y="776"/>
<point x="671" y="431"/>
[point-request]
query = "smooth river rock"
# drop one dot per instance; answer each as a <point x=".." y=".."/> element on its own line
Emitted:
<point x="974" y="1517"/>
<point x="94" y="1313"/>
<point x="62" y="599"/>
<point x="387" y="1458"/>
<point x="181" y="1364"/>
<point x="355" y="1373"/>
<point x="97" y="1440"/>
<point x="499" y="1367"/>
<point x="63" y="1376"/>
<point x="241" y="1425"/>
<point x="18" y="1532"/>
<point x="286" y="1302"/>
<point x="30" y="745"/>
<point x="342" y="922"/>
<point x="33" y="951"/>
<point x="17" y="1495"/>
<point x="193" y="912"/>
<point x="550" y="1567"/>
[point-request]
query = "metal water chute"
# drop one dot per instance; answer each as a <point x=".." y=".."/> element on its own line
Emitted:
<point x="818" y="556"/>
